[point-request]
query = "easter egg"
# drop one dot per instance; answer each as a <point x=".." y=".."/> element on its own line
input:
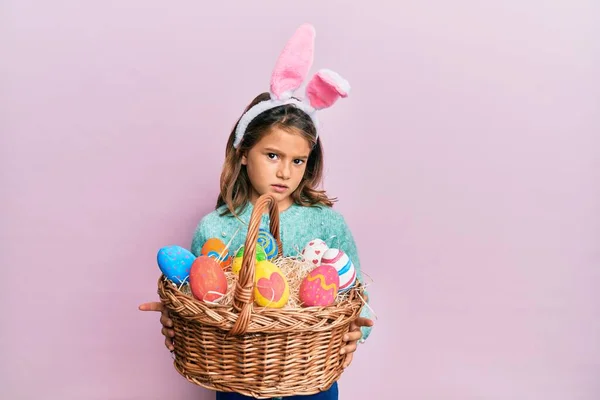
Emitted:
<point x="314" y="250"/>
<point x="271" y="289"/>
<point x="215" y="248"/>
<point x="268" y="243"/>
<point x="319" y="287"/>
<point x="207" y="279"/>
<point x="344" y="266"/>
<point x="175" y="263"/>
<point x="237" y="260"/>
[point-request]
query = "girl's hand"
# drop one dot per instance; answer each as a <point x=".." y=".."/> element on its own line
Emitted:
<point x="352" y="337"/>
<point x="164" y="320"/>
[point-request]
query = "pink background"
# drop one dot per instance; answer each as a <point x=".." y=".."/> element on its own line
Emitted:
<point x="466" y="160"/>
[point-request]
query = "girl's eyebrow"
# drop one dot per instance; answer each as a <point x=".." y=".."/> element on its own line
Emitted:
<point x="274" y="150"/>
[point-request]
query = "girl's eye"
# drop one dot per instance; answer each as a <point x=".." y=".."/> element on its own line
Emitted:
<point x="272" y="156"/>
<point x="298" y="162"/>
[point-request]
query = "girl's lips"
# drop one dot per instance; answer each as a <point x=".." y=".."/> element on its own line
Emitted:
<point x="279" y="188"/>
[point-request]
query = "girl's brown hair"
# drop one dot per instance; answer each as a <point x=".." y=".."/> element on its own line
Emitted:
<point x="235" y="184"/>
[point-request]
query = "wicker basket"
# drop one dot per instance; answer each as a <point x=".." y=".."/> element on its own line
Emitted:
<point x="255" y="351"/>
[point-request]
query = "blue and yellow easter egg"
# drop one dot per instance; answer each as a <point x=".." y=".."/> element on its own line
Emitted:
<point x="175" y="263"/>
<point x="344" y="266"/>
<point x="319" y="287"/>
<point x="237" y="260"/>
<point x="215" y="248"/>
<point x="271" y="289"/>
<point x="268" y="243"/>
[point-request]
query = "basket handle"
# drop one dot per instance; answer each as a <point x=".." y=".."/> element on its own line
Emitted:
<point x="243" y="297"/>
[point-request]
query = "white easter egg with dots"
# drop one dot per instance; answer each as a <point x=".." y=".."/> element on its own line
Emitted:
<point x="344" y="266"/>
<point x="314" y="250"/>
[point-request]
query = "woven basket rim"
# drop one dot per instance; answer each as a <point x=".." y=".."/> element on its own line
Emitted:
<point x="264" y="319"/>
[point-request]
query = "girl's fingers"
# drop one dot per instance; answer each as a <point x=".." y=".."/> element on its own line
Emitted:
<point x="348" y="360"/>
<point x="362" y="321"/>
<point x="352" y="336"/>
<point x="166" y="321"/>
<point x="153" y="306"/>
<point x="348" y="349"/>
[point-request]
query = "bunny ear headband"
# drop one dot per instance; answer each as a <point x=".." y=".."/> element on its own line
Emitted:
<point x="291" y="69"/>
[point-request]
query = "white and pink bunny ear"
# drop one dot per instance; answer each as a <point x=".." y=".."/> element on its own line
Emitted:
<point x="293" y="63"/>
<point x="325" y="88"/>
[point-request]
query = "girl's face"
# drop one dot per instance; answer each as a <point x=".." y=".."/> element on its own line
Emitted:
<point x="276" y="165"/>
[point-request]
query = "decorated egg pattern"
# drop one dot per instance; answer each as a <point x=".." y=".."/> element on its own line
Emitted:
<point x="268" y="243"/>
<point x="237" y="261"/>
<point x="175" y="263"/>
<point x="271" y="289"/>
<point x="207" y="279"/>
<point x="320" y="287"/>
<point x="215" y="248"/>
<point x="344" y="266"/>
<point x="314" y="250"/>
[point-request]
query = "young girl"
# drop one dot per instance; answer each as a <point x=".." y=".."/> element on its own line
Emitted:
<point x="275" y="148"/>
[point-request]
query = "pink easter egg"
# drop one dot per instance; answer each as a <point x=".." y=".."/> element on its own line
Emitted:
<point x="319" y="287"/>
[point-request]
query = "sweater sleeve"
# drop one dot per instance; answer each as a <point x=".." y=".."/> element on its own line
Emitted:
<point x="199" y="238"/>
<point x="342" y="238"/>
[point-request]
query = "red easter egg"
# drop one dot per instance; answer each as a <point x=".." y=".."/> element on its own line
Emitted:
<point x="207" y="279"/>
<point x="320" y="287"/>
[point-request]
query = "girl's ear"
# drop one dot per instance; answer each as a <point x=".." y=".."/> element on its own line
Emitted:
<point x="244" y="159"/>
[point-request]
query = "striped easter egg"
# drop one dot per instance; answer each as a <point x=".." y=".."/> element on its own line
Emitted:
<point x="268" y="243"/>
<point x="344" y="266"/>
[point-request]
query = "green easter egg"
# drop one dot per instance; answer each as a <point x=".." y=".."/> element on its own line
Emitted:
<point x="261" y="255"/>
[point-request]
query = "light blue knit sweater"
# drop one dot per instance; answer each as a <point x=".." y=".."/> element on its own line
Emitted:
<point x="297" y="226"/>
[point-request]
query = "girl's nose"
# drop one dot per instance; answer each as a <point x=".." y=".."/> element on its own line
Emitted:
<point x="284" y="171"/>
